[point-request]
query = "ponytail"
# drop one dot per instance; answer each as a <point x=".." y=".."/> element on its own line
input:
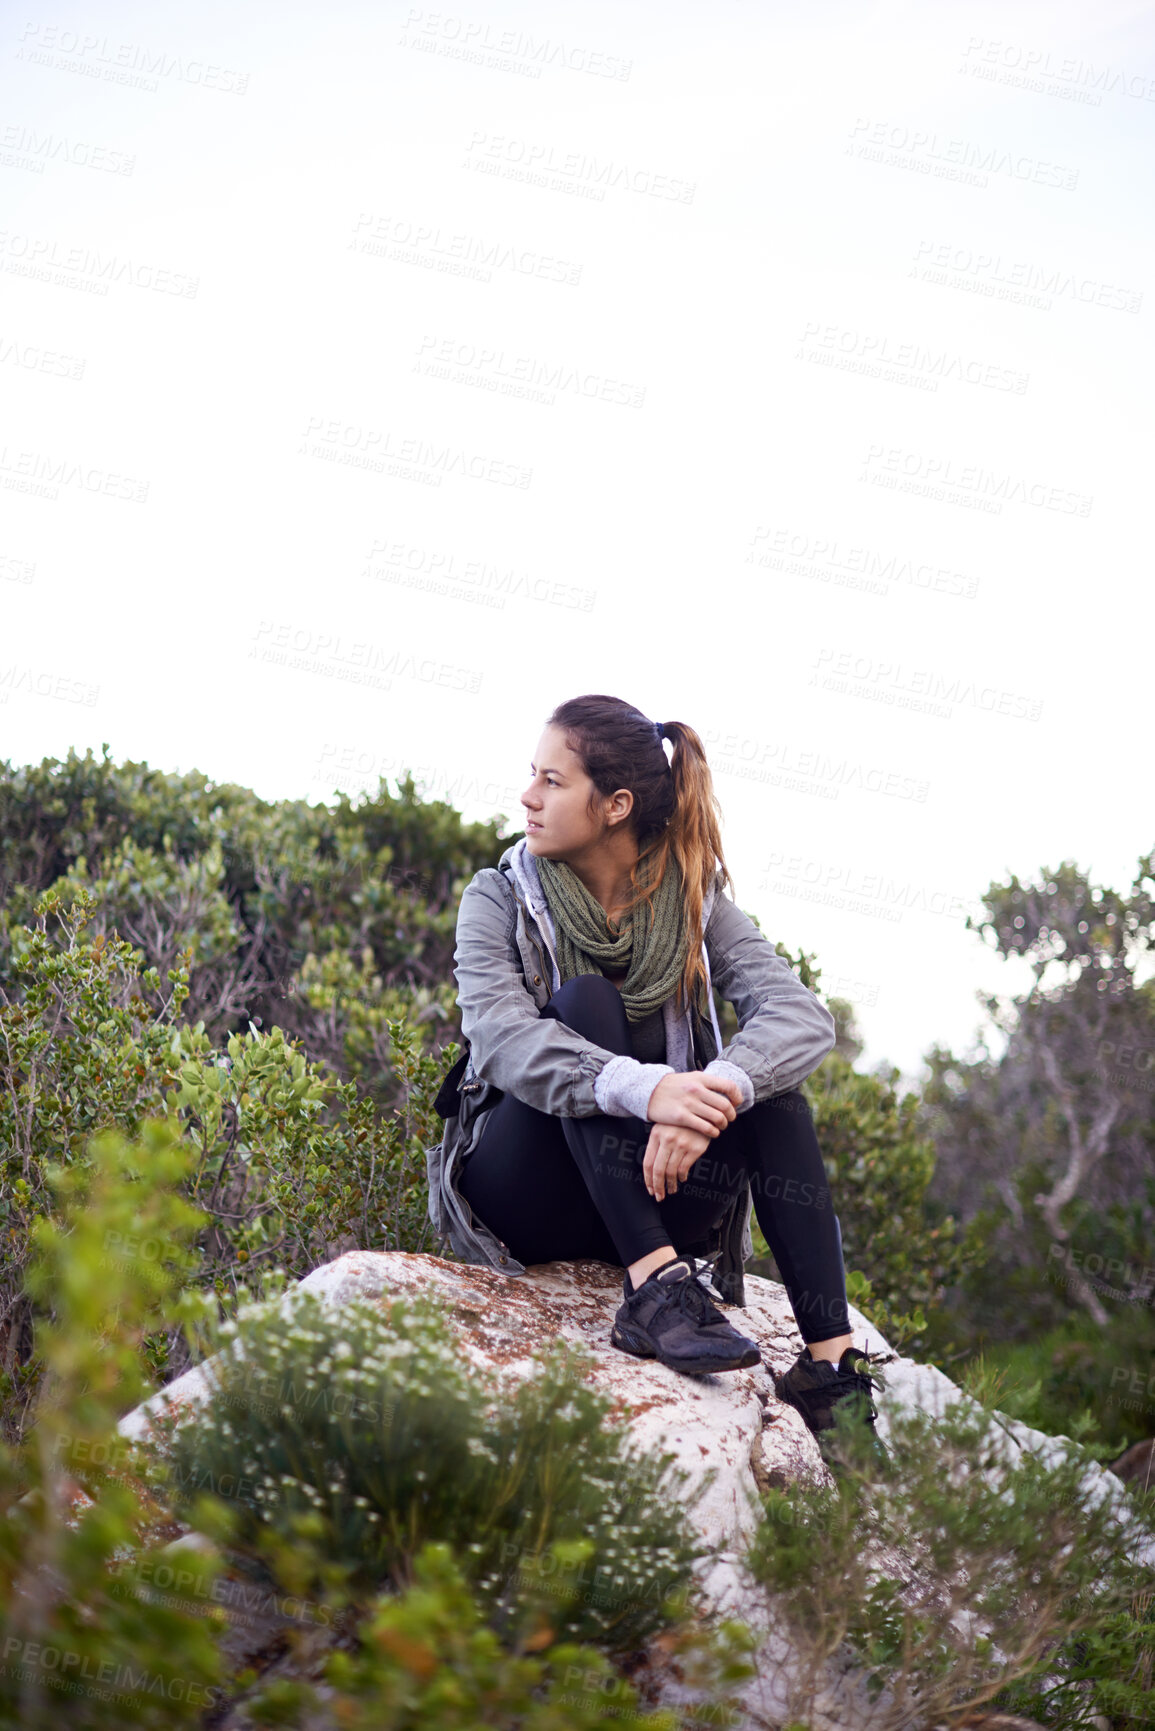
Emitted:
<point x="676" y="814"/>
<point x="693" y="837"/>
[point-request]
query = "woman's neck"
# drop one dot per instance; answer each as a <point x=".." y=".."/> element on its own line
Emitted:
<point x="605" y="871"/>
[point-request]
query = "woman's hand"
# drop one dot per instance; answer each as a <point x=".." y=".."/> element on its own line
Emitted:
<point x="670" y="1154"/>
<point x="694" y="1101"/>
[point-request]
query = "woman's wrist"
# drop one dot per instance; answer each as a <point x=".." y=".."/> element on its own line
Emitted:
<point x="727" y="1072"/>
<point x="624" y="1087"/>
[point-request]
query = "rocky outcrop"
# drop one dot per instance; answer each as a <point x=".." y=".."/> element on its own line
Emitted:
<point x="729" y="1428"/>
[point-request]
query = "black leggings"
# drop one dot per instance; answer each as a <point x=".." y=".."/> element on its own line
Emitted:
<point x="562" y="1189"/>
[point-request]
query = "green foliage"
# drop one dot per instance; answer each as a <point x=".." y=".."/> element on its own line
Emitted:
<point x="367" y="1434"/>
<point x="257" y="889"/>
<point x="902" y="1253"/>
<point x="961" y="1574"/>
<point x="292" y="1166"/>
<point x="75" y="1520"/>
<point x="880" y="1167"/>
<point x="295" y="1168"/>
<point x="1075" y="1380"/>
<point x="898" y="1327"/>
<point x="86" y="1043"/>
<point x="1106" y="1672"/>
<point x="427" y="1661"/>
<point x="1045" y="1150"/>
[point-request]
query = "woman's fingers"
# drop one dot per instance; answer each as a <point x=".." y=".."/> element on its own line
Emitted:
<point x="669" y="1158"/>
<point x="655" y="1167"/>
<point x="692" y="1100"/>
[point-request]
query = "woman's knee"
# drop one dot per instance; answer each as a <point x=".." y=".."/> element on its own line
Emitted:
<point x="591" y="1005"/>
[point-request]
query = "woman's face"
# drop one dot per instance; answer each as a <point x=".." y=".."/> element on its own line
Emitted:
<point x="558" y="821"/>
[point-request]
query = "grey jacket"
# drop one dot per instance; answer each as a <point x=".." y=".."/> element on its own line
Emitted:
<point x="507" y="970"/>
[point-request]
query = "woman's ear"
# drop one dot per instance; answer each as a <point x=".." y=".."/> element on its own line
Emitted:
<point x="618" y="806"/>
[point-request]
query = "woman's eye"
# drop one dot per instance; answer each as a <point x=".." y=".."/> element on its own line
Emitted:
<point x="549" y="782"/>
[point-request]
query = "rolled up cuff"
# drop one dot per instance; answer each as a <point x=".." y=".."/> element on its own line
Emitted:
<point x="624" y="1087"/>
<point x="731" y="1073"/>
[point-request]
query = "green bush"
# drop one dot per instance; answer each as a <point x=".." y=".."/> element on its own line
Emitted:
<point x="292" y="1165"/>
<point x="426" y="1661"/>
<point x="327" y="920"/>
<point x="959" y="1576"/>
<point x="76" y="1521"/>
<point x="367" y="1428"/>
<point x="902" y="1254"/>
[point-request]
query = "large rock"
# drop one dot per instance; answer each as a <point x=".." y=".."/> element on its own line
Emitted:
<point x="732" y="1423"/>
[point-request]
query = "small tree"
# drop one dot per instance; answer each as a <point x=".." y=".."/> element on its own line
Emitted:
<point x="1052" y="1135"/>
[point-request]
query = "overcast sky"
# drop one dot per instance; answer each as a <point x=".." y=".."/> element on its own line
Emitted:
<point x="376" y="377"/>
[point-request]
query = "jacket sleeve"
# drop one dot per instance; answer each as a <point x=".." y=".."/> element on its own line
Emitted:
<point x="783" y="1031"/>
<point x="535" y="1058"/>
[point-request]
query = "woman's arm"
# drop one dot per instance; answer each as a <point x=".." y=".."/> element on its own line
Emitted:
<point x="536" y="1058"/>
<point x="784" y="1032"/>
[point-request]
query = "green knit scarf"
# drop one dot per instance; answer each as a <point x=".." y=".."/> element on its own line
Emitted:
<point x="650" y="943"/>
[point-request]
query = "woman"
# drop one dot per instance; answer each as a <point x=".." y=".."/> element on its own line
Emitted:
<point x="600" y="1115"/>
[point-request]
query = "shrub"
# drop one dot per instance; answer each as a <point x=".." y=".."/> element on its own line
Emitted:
<point x="79" y="1650"/>
<point x="956" y="1577"/>
<point x="426" y="1661"/>
<point x="367" y="1427"/>
<point x="292" y="1166"/>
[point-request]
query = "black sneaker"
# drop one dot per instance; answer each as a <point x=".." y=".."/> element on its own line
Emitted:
<point x="670" y="1318"/>
<point x="819" y="1390"/>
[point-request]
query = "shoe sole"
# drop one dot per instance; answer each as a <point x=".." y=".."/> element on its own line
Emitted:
<point x="639" y="1345"/>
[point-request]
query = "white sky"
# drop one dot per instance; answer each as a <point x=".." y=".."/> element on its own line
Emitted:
<point x="720" y="253"/>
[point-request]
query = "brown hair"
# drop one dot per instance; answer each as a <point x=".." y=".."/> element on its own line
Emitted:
<point x="676" y="813"/>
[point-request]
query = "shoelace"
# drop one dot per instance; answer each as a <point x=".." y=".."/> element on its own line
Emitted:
<point x="692" y="1300"/>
